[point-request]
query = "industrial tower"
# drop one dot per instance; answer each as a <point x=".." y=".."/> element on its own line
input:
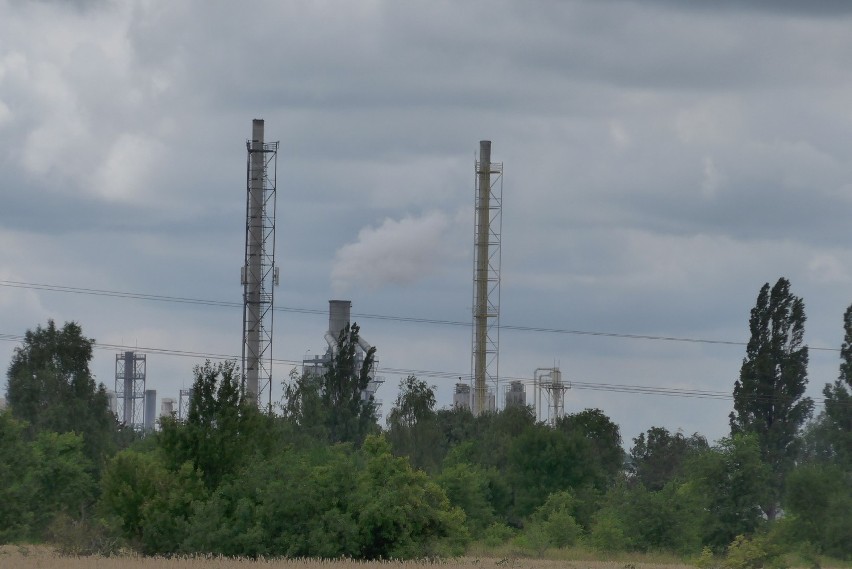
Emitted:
<point x="549" y="381"/>
<point x="259" y="273"/>
<point x="488" y="219"/>
<point x="134" y="405"/>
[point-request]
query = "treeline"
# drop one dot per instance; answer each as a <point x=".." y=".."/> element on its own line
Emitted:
<point x="322" y="478"/>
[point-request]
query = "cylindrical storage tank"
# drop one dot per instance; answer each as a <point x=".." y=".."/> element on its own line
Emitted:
<point x="338" y="316"/>
<point x="150" y="409"/>
<point x="461" y="397"/>
<point x="516" y="396"/>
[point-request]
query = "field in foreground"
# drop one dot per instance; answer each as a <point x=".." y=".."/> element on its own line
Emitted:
<point x="34" y="557"/>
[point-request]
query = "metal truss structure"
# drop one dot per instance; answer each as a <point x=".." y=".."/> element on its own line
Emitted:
<point x="130" y="371"/>
<point x="488" y="220"/>
<point x="259" y="273"/>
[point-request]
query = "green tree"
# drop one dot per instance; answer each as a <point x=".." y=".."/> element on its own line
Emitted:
<point x="62" y="478"/>
<point x="768" y="397"/>
<point x="334" y="405"/>
<point x="148" y="505"/>
<point x="17" y="489"/>
<point x="819" y="501"/>
<point x="469" y="486"/>
<point x="730" y="482"/>
<point x="658" y="458"/>
<point x="543" y="460"/>
<point x="400" y="512"/>
<point x="413" y="425"/>
<point x="51" y="387"/>
<point x="42" y="479"/>
<point x="555" y="518"/>
<point x="605" y="438"/>
<point x="223" y="429"/>
<point x="837" y="417"/>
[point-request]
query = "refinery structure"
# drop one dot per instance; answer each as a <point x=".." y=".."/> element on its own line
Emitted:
<point x="339" y="312"/>
<point x="481" y="393"/>
<point x="133" y="404"/>
<point x="488" y="216"/>
<point x="259" y="275"/>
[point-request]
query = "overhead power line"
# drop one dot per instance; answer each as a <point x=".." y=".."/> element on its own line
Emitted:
<point x="433" y="374"/>
<point x="393" y="318"/>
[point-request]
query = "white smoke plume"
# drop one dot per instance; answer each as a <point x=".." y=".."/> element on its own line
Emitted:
<point x="398" y="252"/>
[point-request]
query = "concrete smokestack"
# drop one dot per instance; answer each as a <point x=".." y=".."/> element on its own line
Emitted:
<point x="338" y="316"/>
<point x="254" y="266"/>
<point x="480" y="317"/>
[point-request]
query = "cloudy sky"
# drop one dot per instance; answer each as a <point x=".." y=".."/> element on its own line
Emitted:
<point x="663" y="160"/>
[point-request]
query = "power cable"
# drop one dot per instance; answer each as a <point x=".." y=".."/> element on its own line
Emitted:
<point x="446" y="375"/>
<point x="409" y="319"/>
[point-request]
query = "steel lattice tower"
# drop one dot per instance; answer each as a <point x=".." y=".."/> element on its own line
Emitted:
<point x="488" y="219"/>
<point x="130" y="372"/>
<point x="259" y="274"/>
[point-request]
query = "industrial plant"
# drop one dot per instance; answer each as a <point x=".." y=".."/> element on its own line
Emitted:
<point x="339" y="312"/>
<point x="135" y="406"/>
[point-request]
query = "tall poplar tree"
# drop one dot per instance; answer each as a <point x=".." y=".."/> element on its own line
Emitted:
<point x="837" y="418"/>
<point x="768" y="397"/>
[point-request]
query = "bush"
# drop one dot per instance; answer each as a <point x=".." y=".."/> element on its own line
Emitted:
<point x="707" y="560"/>
<point x="608" y="533"/>
<point x="497" y="534"/>
<point x="81" y="537"/>
<point x="754" y="553"/>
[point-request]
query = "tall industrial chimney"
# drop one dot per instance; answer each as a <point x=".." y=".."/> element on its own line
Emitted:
<point x="259" y="274"/>
<point x="486" y="278"/>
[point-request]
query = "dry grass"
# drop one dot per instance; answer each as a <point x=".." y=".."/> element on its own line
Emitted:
<point x="38" y="557"/>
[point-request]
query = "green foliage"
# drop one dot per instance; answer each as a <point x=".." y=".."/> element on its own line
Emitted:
<point x="17" y="490"/>
<point x="41" y="479"/>
<point x="707" y="559"/>
<point x="658" y="458"/>
<point x="769" y="395"/>
<point x="329" y="503"/>
<point x="413" y="429"/>
<point x="819" y="501"/>
<point x="608" y="532"/>
<point x="667" y="519"/>
<point x="535" y="539"/>
<point x="604" y="436"/>
<point x="468" y="487"/>
<point x="544" y="460"/>
<point x="401" y="513"/>
<point x="497" y="534"/>
<point x="555" y="520"/>
<point x="729" y="482"/>
<point x="62" y="477"/>
<point x="150" y="506"/>
<point x="755" y="553"/>
<point x="51" y="387"/>
<point x="222" y="427"/>
<point x="332" y="407"/>
<point x="830" y="437"/>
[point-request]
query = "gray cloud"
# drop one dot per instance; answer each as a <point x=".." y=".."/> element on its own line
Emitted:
<point x="662" y="160"/>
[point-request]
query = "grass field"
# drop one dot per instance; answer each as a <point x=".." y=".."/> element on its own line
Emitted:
<point x="36" y="557"/>
<point x="41" y="557"/>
